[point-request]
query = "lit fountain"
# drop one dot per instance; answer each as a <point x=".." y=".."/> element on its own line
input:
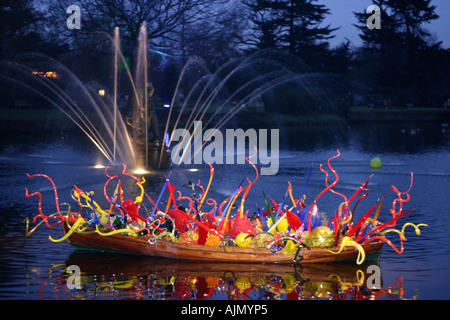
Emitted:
<point x="79" y="102"/>
<point x="142" y="120"/>
<point x="210" y="86"/>
<point x="127" y="140"/>
<point x="118" y="140"/>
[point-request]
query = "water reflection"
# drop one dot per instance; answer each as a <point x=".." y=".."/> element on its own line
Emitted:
<point x="35" y="268"/>
<point x="374" y="137"/>
<point x="111" y="276"/>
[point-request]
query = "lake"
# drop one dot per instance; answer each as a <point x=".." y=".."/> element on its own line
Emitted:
<point x="35" y="268"/>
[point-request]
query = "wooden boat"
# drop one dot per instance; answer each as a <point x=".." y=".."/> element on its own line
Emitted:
<point x="230" y="254"/>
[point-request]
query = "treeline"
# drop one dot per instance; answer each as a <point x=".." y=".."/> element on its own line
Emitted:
<point x="399" y="64"/>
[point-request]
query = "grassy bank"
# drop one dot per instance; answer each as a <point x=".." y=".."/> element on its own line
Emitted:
<point x="50" y="119"/>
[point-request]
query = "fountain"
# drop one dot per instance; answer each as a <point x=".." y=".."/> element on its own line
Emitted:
<point x="87" y="107"/>
<point x="95" y="112"/>
<point x="135" y="138"/>
<point x="150" y="148"/>
<point x="263" y="71"/>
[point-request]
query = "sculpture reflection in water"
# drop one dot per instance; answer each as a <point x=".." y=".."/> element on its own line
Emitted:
<point x="112" y="276"/>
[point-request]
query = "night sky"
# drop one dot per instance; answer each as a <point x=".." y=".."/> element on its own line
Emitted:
<point x="342" y="16"/>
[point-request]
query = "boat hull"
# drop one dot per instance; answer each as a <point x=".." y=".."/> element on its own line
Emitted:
<point x="167" y="249"/>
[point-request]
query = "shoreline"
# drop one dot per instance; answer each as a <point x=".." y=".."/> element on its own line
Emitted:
<point x="417" y="114"/>
<point x="53" y="119"/>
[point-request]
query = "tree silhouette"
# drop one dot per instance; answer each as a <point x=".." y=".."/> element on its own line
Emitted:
<point x="18" y="19"/>
<point x="166" y="22"/>
<point x="293" y="26"/>
<point x="395" y="59"/>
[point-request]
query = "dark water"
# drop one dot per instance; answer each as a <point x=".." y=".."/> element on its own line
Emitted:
<point x="36" y="268"/>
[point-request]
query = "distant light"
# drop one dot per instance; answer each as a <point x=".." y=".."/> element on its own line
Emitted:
<point x="166" y="105"/>
<point x="46" y="74"/>
<point x="101" y="92"/>
<point x="140" y="171"/>
<point x="99" y="166"/>
<point x="193" y="170"/>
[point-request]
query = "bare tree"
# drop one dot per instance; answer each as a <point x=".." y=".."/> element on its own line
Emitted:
<point x="165" y="20"/>
<point x="218" y="38"/>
